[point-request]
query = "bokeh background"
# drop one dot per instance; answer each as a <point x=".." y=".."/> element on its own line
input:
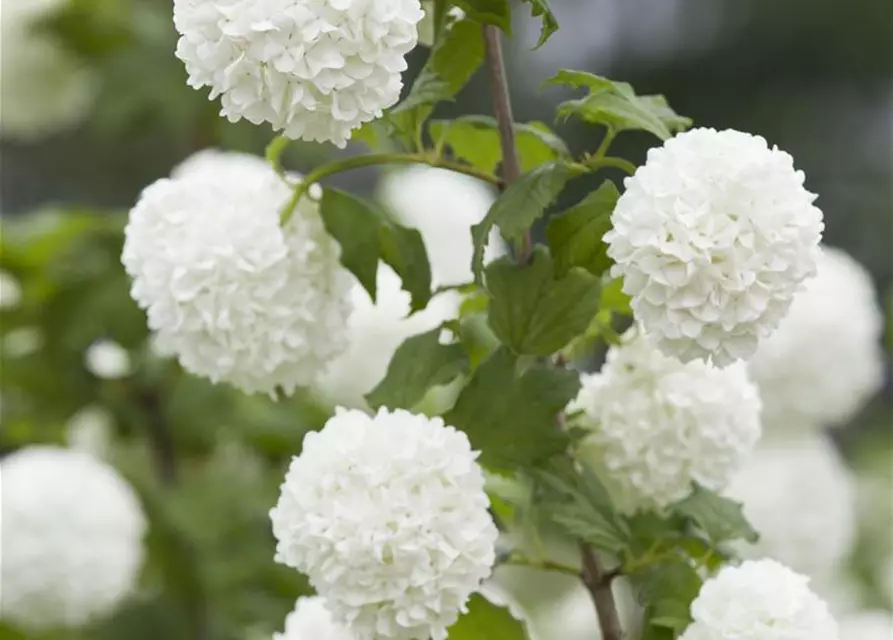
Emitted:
<point x="109" y="112"/>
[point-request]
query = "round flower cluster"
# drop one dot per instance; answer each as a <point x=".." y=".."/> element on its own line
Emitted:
<point x="234" y="295"/>
<point x="443" y="205"/>
<point x="657" y="425"/>
<point x="45" y="88"/>
<point x="90" y="430"/>
<point x="72" y="538"/>
<point x="375" y="331"/>
<point x="314" y="70"/>
<point x="388" y="518"/>
<point x="759" y="600"/>
<point x="802" y="499"/>
<point x="825" y="360"/>
<point x="713" y="237"/>
<point x="311" y="619"/>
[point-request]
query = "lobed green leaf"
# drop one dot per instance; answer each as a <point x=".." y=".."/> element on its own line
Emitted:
<point x="721" y="519"/>
<point x="549" y="22"/>
<point x="496" y="12"/>
<point x="525" y="201"/>
<point x="510" y="415"/>
<point x="667" y="591"/>
<point x="420" y="363"/>
<point x="367" y="236"/>
<point x="533" y="312"/>
<point x="575" y="236"/>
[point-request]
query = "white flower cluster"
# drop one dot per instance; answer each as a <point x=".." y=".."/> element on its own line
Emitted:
<point x="375" y="331"/>
<point x="713" y="237"/>
<point x="759" y="600"/>
<point x="45" y="89"/>
<point x="388" y="518"/>
<point x="443" y="205"/>
<point x="802" y="499"/>
<point x="234" y="295"/>
<point x="72" y="538"/>
<point x="314" y="70"/>
<point x="311" y="620"/>
<point x="10" y="291"/>
<point x="90" y="430"/>
<point x="825" y="360"/>
<point x="657" y="425"/>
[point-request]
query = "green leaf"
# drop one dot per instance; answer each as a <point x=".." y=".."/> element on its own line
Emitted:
<point x="496" y="12"/>
<point x="534" y="313"/>
<point x="511" y="416"/>
<point x="486" y="621"/>
<point x="667" y="591"/>
<point x="520" y="206"/>
<point x="616" y="105"/>
<point x="420" y="363"/>
<point x="720" y="518"/>
<point x="575" y="236"/>
<point x="475" y="139"/>
<point x="456" y="56"/>
<point x="404" y="250"/>
<point x="576" y="500"/>
<point x="550" y="23"/>
<point x="366" y="235"/>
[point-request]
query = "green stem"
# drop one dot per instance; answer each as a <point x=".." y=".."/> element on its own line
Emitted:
<point x="542" y="565"/>
<point x="617" y="163"/>
<point x="355" y="162"/>
<point x="274" y="152"/>
<point x="602" y="150"/>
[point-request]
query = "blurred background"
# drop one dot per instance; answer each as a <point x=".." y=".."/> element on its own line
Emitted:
<point x="94" y="106"/>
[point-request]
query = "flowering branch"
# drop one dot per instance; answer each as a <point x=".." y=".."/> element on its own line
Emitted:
<point x="598" y="582"/>
<point x="356" y="162"/>
<point x="502" y="110"/>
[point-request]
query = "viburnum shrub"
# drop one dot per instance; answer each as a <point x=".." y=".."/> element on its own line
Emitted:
<point x="394" y="509"/>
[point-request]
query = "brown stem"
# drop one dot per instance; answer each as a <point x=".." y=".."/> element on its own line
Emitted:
<point x="502" y="110"/>
<point x="159" y="437"/>
<point x="598" y="582"/>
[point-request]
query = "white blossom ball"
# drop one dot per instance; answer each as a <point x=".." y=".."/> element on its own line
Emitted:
<point x="314" y="70"/>
<point x="311" y="620"/>
<point x="443" y="206"/>
<point x="375" y="331"/>
<point x="90" y="430"/>
<point x="801" y="497"/>
<point x="71" y="539"/>
<point x="107" y="359"/>
<point x="387" y="516"/>
<point x="657" y="425"/>
<point x="10" y="291"/>
<point x="867" y="625"/>
<point x="237" y="297"/>
<point x="713" y="237"/>
<point x="825" y="360"/>
<point x="759" y="600"/>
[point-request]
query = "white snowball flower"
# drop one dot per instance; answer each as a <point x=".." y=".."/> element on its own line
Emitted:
<point x="10" y="291"/>
<point x="759" y="600"/>
<point x="107" y="359"/>
<point x="311" y="620"/>
<point x="90" y="430"/>
<point x="657" y="425"/>
<point x="71" y="539"/>
<point x="375" y="331"/>
<point x="45" y="88"/>
<point x="314" y="70"/>
<point x="443" y="205"/>
<point x="234" y="295"/>
<point x="802" y="499"/>
<point x="387" y="516"/>
<point x="22" y="342"/>
<point x="825" y="360"/>
<point x="713" y="237"/>
<point x="868" y="625"/>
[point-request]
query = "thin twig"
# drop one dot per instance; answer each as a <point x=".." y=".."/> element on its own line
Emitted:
<point x="502" y="111"/>
<point x="159" y="436"/>
<point x="598" y="583"/>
